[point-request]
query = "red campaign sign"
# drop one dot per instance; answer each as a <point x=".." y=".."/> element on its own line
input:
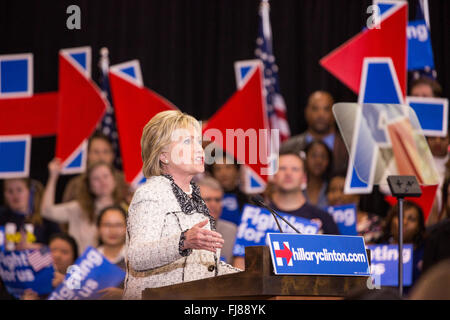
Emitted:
<point x="245" y="110"/>
<point x="134" y="106"/>
<point x="71" y="113"/>
<point x="81" y="106"/>
<point x="346" y="61"/>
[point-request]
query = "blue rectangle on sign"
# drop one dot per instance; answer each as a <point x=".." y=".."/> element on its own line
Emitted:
<point x="13" y="156"/>
<point x="384" y="263"/>
<point x="430" y="115"/>
<point x="318" y="254"/>
<point x="14" y="76"/>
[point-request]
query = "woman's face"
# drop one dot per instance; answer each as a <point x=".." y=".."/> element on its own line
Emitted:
<point x="410" y="225"/>
<point x="102" y="181"/>
<point x="185" y="154"/>
<point x="317" y="160"/>
<point x="112" y="228"/>
<point x="336" y="195"/>
<point x="62" y="254"/>
<point x="17" y="195"/>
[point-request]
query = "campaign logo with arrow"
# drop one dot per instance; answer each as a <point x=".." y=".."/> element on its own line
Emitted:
<point x="285" y="253"/>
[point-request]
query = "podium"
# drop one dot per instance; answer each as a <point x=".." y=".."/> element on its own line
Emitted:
<point x="258" y="282"/>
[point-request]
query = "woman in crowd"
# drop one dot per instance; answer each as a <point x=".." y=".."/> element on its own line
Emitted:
<point x="318" y="169"/>
<point x="98" y="190"/>
<point x="100" y="149"/>
<point x="22" y="213"/>
<point x="112" y="229"/>
<point x="368" y="225"/>
<point x="413" y="232"/>
<point x="64" y="251"/>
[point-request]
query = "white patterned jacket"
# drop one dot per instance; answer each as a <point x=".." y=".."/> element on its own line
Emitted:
<point x="158" y="215"/>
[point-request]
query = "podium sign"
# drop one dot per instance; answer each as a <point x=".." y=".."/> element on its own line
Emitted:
<point x="301" y="254"/>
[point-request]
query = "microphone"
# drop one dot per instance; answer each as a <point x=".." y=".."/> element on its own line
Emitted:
<point x="260" y="202"/>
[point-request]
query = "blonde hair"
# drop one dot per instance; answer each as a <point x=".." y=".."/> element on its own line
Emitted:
<point x="157" y="134"/>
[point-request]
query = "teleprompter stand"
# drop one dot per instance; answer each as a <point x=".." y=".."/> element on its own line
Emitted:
<point x="401" y="187"/>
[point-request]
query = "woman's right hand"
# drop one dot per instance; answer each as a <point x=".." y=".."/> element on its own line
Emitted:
<point x="54" y="168"/>
<point x="202" y="239"/>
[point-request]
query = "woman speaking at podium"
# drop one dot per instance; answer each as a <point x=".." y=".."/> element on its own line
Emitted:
<point x="170" y="233"/>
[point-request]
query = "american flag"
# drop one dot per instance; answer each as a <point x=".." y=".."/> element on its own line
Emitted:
<point x="40" y="259"/>
<point x="276" y="107"/>
<point x="422" y="13"/>
<point x="108" y="124"/>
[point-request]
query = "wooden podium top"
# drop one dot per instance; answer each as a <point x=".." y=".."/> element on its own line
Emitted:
<point x="259" y="282"/>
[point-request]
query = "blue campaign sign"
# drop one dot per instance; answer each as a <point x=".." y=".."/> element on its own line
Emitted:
<point x="256" y="222"/>
<point x="420" y="53"/>
<point x="318" y="254"/>
<point x="230" y="209"/>
<point x="19" y="273"/>
<point x="384" y="263"/>
<point x="345" y="218"/>
<point x="90" y="273"/>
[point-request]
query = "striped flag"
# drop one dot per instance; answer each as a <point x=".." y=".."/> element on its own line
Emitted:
<point x="39" y="258"/>
<point x="108" y="124"/>
<point x="275" y="105"/>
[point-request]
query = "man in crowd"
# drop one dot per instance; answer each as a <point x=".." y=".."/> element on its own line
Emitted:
<point x="287" y="195"/>
<point x="321" y="126"/>
<point x="212" y="193"/>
